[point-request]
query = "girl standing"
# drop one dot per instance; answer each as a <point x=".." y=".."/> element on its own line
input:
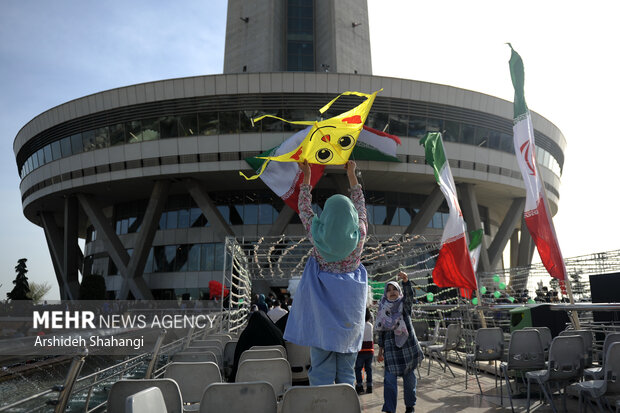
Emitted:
<point x="398" y="345"/>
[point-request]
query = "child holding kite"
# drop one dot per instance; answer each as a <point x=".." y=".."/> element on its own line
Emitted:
<point x="398" y="344"/>
<point x="330" y="302"/>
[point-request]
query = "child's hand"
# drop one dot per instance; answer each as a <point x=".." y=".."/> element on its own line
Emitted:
<point x="305" y="169"/>
<point x="403" y="276"/>
<point x="350" y="167"/>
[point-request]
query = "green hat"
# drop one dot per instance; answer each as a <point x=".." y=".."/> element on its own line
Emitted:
<point x="336" y="232"/>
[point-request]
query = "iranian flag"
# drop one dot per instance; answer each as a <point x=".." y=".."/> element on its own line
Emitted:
<point x="536" y="213"/>
<point x="453" y="267"/>
<point x="285" y="178"/>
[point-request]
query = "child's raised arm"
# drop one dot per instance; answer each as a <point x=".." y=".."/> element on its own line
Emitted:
<point x="350" y="167"/>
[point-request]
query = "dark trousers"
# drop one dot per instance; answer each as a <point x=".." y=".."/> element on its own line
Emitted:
<point x="364" y="360"/>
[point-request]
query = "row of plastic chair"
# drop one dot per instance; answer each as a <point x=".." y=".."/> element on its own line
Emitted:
<point x="158" y="396"/>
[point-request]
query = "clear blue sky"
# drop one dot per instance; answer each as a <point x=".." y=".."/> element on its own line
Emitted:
<point x="55" y="51"/>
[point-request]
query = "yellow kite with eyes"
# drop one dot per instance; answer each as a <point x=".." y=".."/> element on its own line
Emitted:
<point x="330" y="141"/>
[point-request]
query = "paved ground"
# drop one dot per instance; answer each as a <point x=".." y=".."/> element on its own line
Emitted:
<point x="439" y="392"/>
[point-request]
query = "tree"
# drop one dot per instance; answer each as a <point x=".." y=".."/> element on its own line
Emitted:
<point x="93" y="287"/>
<point x="21" y="289"/>
<point x="38" y="291"/>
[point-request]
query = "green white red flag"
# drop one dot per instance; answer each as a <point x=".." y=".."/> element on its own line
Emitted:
<point x="285" y="178"/>
<point x="453" y="267"/>
<point x="536" y="211"/>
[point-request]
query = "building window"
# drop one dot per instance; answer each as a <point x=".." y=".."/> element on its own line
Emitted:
<point x="300" y="36"/>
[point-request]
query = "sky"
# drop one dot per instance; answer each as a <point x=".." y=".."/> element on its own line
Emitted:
<point x="54" y="52"/>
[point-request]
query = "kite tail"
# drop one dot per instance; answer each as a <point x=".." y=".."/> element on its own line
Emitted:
<point x="260" y="172"/>
<point x="298" y="122"/>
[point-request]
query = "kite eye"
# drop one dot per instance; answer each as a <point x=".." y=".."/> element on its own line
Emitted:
<point x="324" y="155"/>
<point x="346" y="142"/>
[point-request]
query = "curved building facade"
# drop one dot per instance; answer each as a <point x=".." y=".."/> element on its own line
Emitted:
<point x="148" y="174"/>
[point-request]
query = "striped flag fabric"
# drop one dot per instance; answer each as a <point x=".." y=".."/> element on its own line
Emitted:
<point x="536" y="212"/>
<point x="285" y="178"/>
<point x="453" y="267"/>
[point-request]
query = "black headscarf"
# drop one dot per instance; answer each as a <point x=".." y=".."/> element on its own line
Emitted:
<point x="260" y="331"/>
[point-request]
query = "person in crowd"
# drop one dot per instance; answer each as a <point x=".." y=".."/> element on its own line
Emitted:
<point x="330" y="301"/>
<point x="260" y="331"/>
<point x="364" y="358"/>
<point x="277" y="312"/>
<point x="398" y="344"/>
<point x="262" y="304"/>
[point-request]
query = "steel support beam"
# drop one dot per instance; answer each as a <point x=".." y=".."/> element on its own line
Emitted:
<point x="55" y="239"/>
<point x="471" y="214"/>
<point x="206" y="204"/>
<point x="284" y="217"/>
<point x="425" y="215"/>
<point x="70" y="255"/>
<point x="505" y="231"/>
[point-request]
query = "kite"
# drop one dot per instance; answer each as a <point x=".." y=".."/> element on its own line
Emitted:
<point x="328" y="142"/>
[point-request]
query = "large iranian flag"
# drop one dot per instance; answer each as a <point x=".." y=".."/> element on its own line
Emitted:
<point x="284" y="178"/>
<point x="536" y="212"/>
<point x="453" y="267"/>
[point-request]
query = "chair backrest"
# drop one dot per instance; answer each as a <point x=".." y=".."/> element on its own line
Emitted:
<point x="299" y="359"/>
<point x="213" y="342"/>
<point x="609" y="340"/>
<point x="525" y="351"/>
<point x="271" y="353"/>
<point x="421" y="329"/>
<point x="588" y="341"/>
<point x="271" y="347"/>
<point x="195" y="357"/>
<point x="489" y="344"/>
<point x="213" y="349"/>
<point x="256" y="397"/>
<point x="146" y="401"/>
<point x="545" y="336"/>
<point x="276" y="371"/>
<point x="340" y="398"/>
<point x="611" y="369"/>
<point x="229" y="355"/>
<point x="193" y="378"/>
<point x="125" y="388"/>
<point x="453" y="337"/>
<point x="566" y="358"/>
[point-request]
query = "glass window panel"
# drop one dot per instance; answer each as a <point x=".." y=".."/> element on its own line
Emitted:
<point x="56" y="153"/>
<point x="47" y="152"/>
<point x="117" y="134"/>
<point x="236" y="214"/>
<point x="380" y="213"/>
<point x="208" y="123"/>
<point x="133" y="225"/>
<point x="170" y="254"/>
<point x="229" y="122"/>
<point x="65" y="146"/>
<point x="266" y="214"/>
<point x="180" y="261"/>
<point x="193" y="260"/>
<point x="225" y="211"/>
<point x="102" y="139"/>
<point x="159" y="259"/>
<point x="76" y="143"/>
<point x="207" y="257"/>
<point x="183" y="218"/>
<point x="404" y="217"/>
<point x="169" y="127"/>
<point x="468" y="132"/>
<point x="270" y="124"/>
<point x="434" y="125"/>
<point x="196" y="218"/>
<point x="188" y="125"/>
<point x="118" y="226"/>
<point x="162" y="220"/>
<point x="377" y="120"/>
<point x="494" y="139"/>
<point x="481" y="137"/>
<point x="398" y="125"/>
<point x="172" y="220"/>
<point x="451" y="131"/>
<point x="369" y="213"/>
<point x="417" y="127"/>
<point x="134" y="131"/>
<point x="506" y="143"/>
<point x="41" y="157"/>
<point x="150" y="129"/>
<point x="245" y="121"/>
<point x="394" y="220"/>
<point x="35" y="161"/>
<point x="250" y="214"/>
<point x="219" y="256"/>
<point x="88" y="140"/>
<point x="124" y="225"/>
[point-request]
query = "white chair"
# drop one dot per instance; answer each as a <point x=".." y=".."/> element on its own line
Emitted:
<point x="198" y="357"/>
<point x="214" y="349"/>
<point x="275" y="371"/>
<point x="275" y="346"/>
<point x="341" y="398"/>
<point x="146" y="401"/>
<point x="255" y="397"/>
<point x="596" y="373"/>
<point x="125" y="388"/>
<point x="299" y="359"/>
<point x="440" y="352"/>
<point x="206" y="343"/>
<point x="260" y="354"/>
<point x="193" y="379"/>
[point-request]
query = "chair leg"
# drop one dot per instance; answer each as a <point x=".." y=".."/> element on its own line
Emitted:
<point x="509" y="390"/>
<point x="548" y="395"/>
<point x="430" y="359"/>
<point x="528" y="394"/>
<point x="467" y="371"/>
<point x="445" y="364"/>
